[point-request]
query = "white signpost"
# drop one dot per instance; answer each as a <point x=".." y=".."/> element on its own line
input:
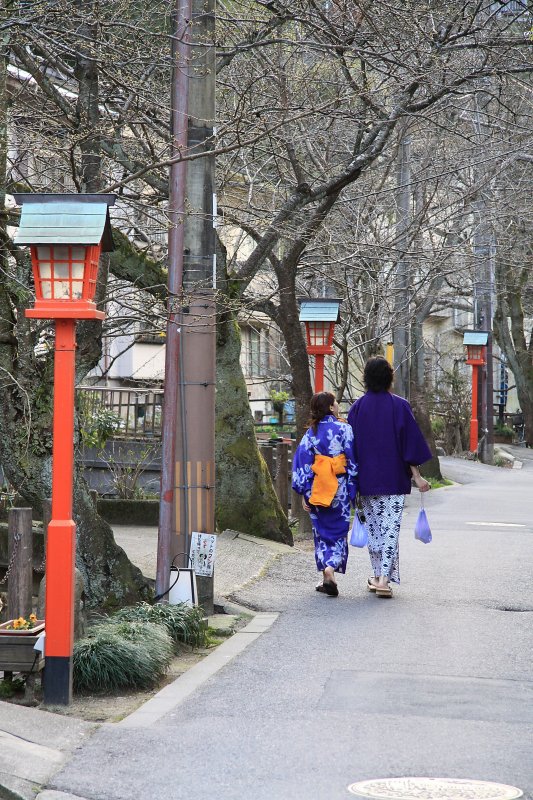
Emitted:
<point x="202" y="553"/>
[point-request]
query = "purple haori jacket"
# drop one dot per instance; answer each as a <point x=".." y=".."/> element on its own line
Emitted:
<point x="387" y="441"/>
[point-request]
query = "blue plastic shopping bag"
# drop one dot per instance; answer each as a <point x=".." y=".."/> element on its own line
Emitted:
<point x="359" y="533"/>
<point x="422" y="529"/>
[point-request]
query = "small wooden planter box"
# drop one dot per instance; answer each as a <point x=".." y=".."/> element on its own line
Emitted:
<point x="499" y="439"/>
<point x="16" y="649"/>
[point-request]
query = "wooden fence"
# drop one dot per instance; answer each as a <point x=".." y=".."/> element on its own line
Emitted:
<point x="278" y="457"/>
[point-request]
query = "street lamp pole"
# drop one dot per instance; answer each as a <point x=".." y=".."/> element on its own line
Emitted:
<point x="319" y="372"/>
<point x="61" y="536"/>
<point x="474" y="422"/>
<point x="66" y="234"/>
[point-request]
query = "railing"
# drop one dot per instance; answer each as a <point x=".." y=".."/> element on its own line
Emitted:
<point x="136" y="413"/>
<point x="129" y="413"/>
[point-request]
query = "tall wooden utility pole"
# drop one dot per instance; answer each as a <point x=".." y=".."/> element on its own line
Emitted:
<point x="188" y="476"/>
<point x="401" y="279"/>
<point x="483" y="246"/>
<point x="166" y="547"/>
<point x="195" y="436"/>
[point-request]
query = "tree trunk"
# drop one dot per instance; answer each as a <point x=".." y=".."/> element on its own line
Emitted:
<point x="291" y="328"/>
<point x="431" y="469"/>
<point x="509" y="329"/>
<point x="245" y="498"/>
<point x="302" y="389"/>
<point x="110" y="579"/>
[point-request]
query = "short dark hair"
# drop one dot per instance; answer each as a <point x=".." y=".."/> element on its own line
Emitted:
<point x="320" y="407"/>
<point x="378" y="374"/>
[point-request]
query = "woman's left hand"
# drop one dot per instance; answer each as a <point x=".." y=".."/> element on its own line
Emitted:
<point x="305" y="506"/>
<point x="422" y="484"/>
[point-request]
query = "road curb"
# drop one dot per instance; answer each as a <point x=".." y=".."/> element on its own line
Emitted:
<point x="12" y="788"/>
<point x="52" y="794"/>
<point x="180" y="689"/>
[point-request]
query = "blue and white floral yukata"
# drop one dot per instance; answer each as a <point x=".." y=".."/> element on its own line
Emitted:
<point x="331" y="524"/>
<point x="387" y="441"/>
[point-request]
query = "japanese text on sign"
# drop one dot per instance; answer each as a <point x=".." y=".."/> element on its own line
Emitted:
<point x="203" y="553"/>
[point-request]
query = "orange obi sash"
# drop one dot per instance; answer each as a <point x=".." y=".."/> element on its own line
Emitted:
<point x="325" y="483"/>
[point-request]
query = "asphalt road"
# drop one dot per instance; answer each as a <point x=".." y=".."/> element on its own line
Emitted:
<point x="435" y="682"/>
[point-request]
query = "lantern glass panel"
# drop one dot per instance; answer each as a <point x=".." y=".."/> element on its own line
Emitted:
<point x="318" y="333"/>
<point x="45" y="269"/>
<point x="61" y="271"/>
<point x="44" y="252"/>
<point x="61" y="286"/>
<point x="44" y="255"/>
<point x="61" y="252"/>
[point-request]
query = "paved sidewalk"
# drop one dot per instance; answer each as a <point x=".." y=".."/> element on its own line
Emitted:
<point x="240" y="559"/>
<point x="34" y="744"/>
<point x="435" y="682"/>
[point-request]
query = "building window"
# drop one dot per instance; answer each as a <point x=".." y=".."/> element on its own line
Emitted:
<point x="511" y="8"/>
<point x="256" y="356"/>
<point x="254" y="353"/>
<point x="150" y="329"/>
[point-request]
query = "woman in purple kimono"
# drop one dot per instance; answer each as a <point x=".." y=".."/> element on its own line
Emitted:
<point x="324" y="473"/>
<point x="388" y="447"/>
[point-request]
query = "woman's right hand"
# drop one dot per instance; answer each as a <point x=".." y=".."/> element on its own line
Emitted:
<point x="305" y="506"/>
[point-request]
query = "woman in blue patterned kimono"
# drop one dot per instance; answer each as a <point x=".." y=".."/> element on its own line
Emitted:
<point x="327" y="436"/>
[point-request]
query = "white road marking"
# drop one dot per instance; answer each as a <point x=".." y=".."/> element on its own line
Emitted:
<point x="499" y="524"/>
<point x="434" y="788"/>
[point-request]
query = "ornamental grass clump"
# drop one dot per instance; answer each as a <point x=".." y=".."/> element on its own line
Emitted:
<point x="183" y="623"/>
<point x="121" y="655"/>
<point x="154" y="638"/>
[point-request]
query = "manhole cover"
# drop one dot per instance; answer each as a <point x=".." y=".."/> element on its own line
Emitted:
<point x="433" y="789"/>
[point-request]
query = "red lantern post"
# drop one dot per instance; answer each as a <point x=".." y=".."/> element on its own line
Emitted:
<point x="319" y="316"/>
<point x="319" y="337"/>
<point x="65" y="274"/>
<point x="476" y="342"/>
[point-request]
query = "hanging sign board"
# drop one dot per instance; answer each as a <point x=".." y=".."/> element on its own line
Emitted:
<point x="203" y="553"/>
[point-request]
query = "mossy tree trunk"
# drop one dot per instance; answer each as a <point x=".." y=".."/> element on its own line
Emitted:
<point x="418" y="398"/>
<point x="512" y="331"/>
<point x="245" y="498"/>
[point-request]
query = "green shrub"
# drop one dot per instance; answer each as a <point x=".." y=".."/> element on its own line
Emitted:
<point x="504" y="430"/>
<point x="121" y="655"/>
<point x="438" y="427"/>
<point x="97" y="422"/>
<point x="183" y="623"/>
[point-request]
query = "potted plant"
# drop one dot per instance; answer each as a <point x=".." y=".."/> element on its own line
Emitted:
<point x="17" y="640"/>
<point x="22" y="626"/>
<point x="278" y="402"/>
<point x="503" y="434"/>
